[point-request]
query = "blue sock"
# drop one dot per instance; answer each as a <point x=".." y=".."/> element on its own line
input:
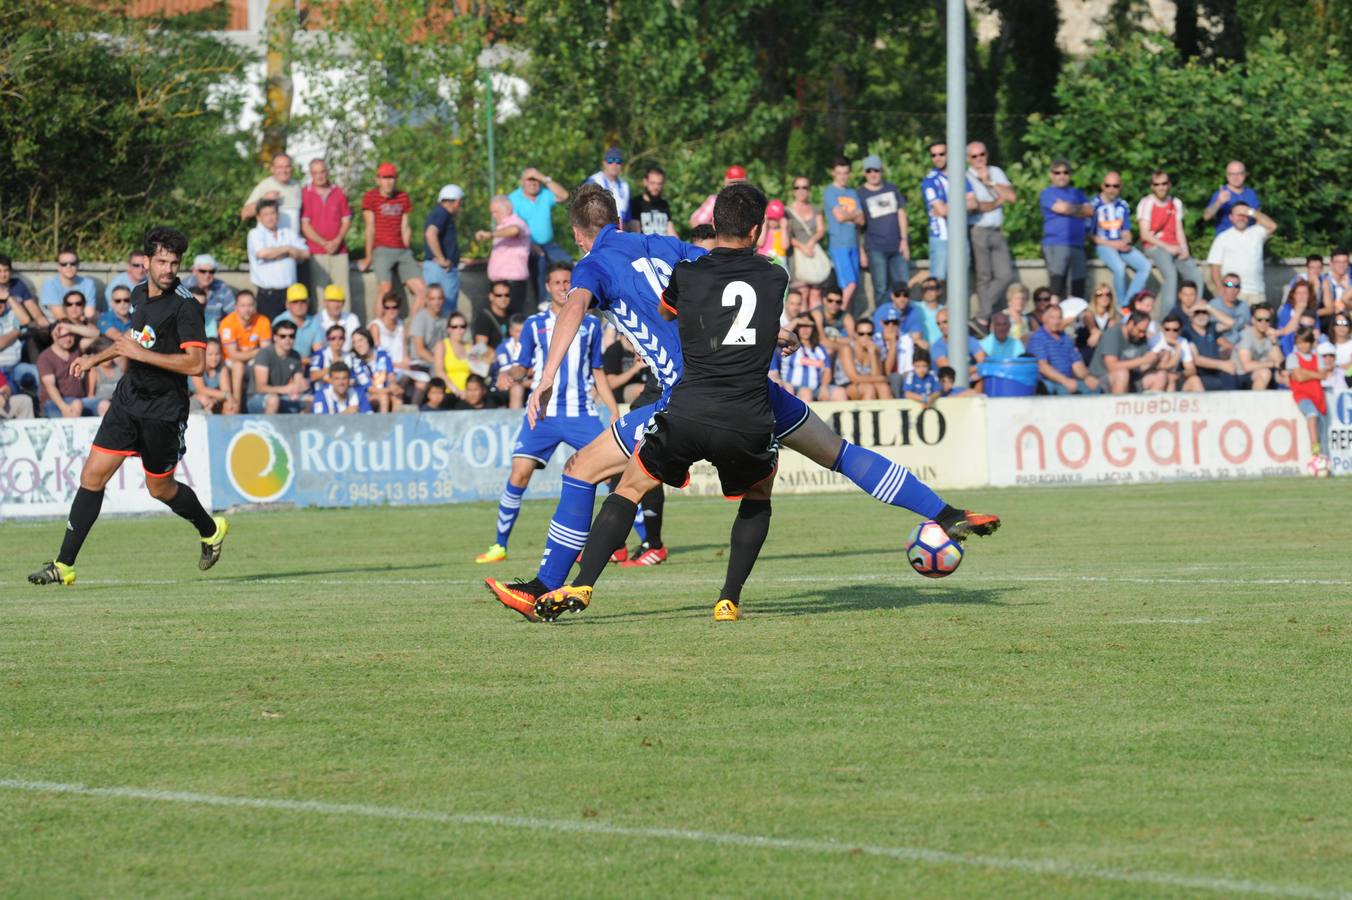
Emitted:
<point x="887" y="481"/>
<point x="641" y="525"/>
<point x="509" y="507"/>
<point x="567" y="531"/>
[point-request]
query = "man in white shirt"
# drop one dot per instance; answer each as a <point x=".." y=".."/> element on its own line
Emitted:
<point x="1239" y="249"/>
<point x="610" y="178"/>
<point x="277" y="186"/>
<point x="273" y="254"/>
<point x="332" y="314"/>
<point x="990" y="251"/>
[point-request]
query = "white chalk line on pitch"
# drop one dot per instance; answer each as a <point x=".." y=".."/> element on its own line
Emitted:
<point x="1052" y="867"/>
<point x="665" y="579"/>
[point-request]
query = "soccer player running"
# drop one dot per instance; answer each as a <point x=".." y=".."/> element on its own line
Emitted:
<point x="623" y="274"/>
<point x="165" y="344"/>
<point x="570" y="414"/>
<point x="728" y="305"/>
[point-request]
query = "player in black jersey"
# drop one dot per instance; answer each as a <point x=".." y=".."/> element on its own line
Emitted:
<point x="727" y="305"/>
<point x="165" y="344"/>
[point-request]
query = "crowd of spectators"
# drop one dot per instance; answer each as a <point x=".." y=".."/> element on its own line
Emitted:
<point x="290" y="343"/>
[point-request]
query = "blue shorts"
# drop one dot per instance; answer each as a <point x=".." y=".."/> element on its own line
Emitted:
<point x="790" y="413"/>
<point x="540" y="442"/>
<point x="846" y="260"/>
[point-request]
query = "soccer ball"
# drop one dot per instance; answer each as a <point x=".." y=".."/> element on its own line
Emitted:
<point x="931" y="552"/>
<point x="1318" y="466"/>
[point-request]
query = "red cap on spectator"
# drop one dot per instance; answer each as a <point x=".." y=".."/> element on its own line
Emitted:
<point x="387" y="170"/>
<point x="735" y="172"/>
<point x="774" y="210"/>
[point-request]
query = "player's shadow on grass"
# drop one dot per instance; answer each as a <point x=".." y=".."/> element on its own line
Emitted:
<point x="841" y="598"/>
<point x="290" y="574"/>
<point x="721" y="551"/>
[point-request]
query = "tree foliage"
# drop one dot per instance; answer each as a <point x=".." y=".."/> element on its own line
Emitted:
<point x="106" y="122"/>
<point x="1139" y="106"/>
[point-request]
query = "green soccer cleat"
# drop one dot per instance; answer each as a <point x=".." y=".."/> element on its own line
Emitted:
<point x="211" y="547"/>
<point x="53" y="573"/>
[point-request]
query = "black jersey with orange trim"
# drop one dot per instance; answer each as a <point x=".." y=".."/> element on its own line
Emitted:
<point x="167" y="323"/>
<point x="727" y="306"/>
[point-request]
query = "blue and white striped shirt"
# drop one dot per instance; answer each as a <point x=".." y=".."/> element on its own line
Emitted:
<point x="804" y="367"/>
<point x="572" y="396"/>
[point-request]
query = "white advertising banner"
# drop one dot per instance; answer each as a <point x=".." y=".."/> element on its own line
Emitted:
<point x="40" y="462"/>
<point x="944" y="445"/>
<point x="1145" y="438"/>
<point x="1339" y="449"/>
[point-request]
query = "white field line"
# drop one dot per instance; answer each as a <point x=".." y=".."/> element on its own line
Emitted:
<point x="1052" y="867"/>
<point x="666" y="579"/>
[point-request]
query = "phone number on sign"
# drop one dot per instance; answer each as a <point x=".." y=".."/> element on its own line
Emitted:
<point x="391" y="492"/>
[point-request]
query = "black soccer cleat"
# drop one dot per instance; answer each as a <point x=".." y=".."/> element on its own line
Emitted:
<point x="53" y="573"/>
<point x="211" y="547"/>
<point x="963" y="523"/>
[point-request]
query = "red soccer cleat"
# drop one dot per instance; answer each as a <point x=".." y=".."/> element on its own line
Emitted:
<point x="651" y="556"/>
<point x="514" y="598"/>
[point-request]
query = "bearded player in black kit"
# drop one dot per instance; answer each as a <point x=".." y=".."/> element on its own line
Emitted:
<point x="148" y="417"/>
<point x="727" y="306"/>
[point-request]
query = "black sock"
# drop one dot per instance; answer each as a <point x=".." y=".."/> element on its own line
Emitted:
<point x="185" y="504"/>
<point x="652" y="515"/>
<point x="748" y="535"/>
<point x="84" y="512"/>
<point x="948" y="517"/>
<point x="608" y="531"/>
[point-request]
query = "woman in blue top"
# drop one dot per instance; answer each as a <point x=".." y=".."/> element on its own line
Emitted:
<point x="373" y="372"/>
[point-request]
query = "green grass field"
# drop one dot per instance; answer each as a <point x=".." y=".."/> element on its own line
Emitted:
<point x="1126" y="692"/>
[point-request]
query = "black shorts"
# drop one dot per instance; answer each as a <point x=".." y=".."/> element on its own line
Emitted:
<point x="160" y="444"/>
<point x="670" y="446"/>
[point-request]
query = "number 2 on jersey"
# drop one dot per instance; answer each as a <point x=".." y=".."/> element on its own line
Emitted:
<point x="743" y="296"/>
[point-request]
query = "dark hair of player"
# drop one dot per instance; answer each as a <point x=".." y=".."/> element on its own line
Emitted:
<point x="703" y="232"/>
<point x="592" y="209"/>
<point x="562" y="265"/>
<point x="339" y="367"/>
<point x="162" y="237"/>
<point x="738" y="209"/>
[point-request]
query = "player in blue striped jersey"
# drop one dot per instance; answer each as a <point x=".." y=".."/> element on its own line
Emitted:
<point x="624" y="274"/>
<point x="569" y="414"/>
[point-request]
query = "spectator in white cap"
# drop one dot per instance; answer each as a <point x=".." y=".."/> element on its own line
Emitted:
<point x="611" y="178"/>
<point x="441" y="264"/>
<point x="220" y="300"/>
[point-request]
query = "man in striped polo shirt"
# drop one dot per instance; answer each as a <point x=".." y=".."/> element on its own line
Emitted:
<point x="1058" y="360"/>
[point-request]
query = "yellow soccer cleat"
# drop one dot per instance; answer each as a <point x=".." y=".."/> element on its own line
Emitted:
<point x="494" y="554"/>
<point x="566" y="599"/>
<point x="211" y="547"/>
<point x="727" y="611"/>
<point x="53" y="573"/>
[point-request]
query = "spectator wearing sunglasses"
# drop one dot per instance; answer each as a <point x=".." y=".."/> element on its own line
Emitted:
<point x="1232" y="314"/>
<point x="220" y="299"/>
<point x="862" y="363"/>
<point x="117" y="319"/>
<point x="64" y="394"/>
<point x="1176" y="358"/>
<point x="492" y="322"/>
<point x="1258" y="355"/>
<point x="1159" y="216"/>
<point x="1214" y="366"/>
<point x="135" y="274"/>
<point x="1111" y="236"/>
<point x="611" y="178"/>
<point x="991" y="258"/>
<point x="1239" y="249"/>
<point x="66" y="279"/>
<point x="77" y="320"/>
<point x="1064" y="211"/>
